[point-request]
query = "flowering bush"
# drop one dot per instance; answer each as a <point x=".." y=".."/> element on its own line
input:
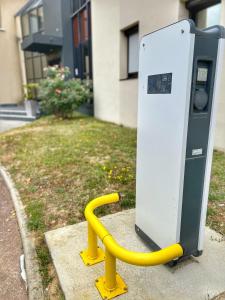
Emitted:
<point x="60" y="96"/>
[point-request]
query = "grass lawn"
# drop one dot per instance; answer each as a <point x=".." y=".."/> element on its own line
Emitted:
<point x="59" y="165"/>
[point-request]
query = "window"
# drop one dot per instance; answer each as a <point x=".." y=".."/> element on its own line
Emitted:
<point x="77" y="4"/>
<point x="29" y="70"/>
<point x="32" y="21"/>
<point x="209" y="16"/>
<point x="40" y="18"/>
<point x="132" y="35"/>
<point x="82" y="40"/>
<point x="44" y="63"/>
<point x="37" y="67"/>
<point x="76" y="32"/>
<point x="35" y="63"/>
<point x="205" y="13"/>
<point x="84" y="25"/>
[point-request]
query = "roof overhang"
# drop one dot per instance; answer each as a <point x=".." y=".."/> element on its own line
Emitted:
<point x="42" y="43"/>
<point x="31" y="4"/>
<point x="196" y="5"/>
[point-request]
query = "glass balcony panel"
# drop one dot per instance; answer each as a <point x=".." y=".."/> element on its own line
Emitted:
<point x="33" y="21"/>
<point x="37" y="67"/>
<point x="25" y="25"/>
<point x="44" y="62"/>
<point x="27" y="54"/>
<point x="29" y="69"/>
<point x="40" y="18"/>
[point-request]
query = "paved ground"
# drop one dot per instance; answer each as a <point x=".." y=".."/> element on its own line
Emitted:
<point x="11" y="284"/>
<point x="7" y="125"/>
<point x="196" y="279"/>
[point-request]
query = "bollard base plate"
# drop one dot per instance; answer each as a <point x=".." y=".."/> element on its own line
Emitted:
<point x="106" y="294"/>
<point x="88" y="261"/>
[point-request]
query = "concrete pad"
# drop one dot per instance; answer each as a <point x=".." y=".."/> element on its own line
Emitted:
<point x="8" y="124"/>
<point x="197" y="279"/>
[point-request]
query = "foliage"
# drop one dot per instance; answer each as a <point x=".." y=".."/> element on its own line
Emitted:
<point x="62" y="96"/>
<point x="30" y="91"/>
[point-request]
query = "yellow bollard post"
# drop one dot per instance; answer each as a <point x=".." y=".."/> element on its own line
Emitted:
<point x="111" y="285"/>
<point x="93" y="254"/>
<point x="110" y="271"/>
<point x="92" y="250"/>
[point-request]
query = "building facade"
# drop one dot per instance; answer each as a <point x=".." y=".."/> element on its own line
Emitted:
<point x="11" y="72"/>
<point x="56" y="33"/>
<point x="43" y="33"/>
<point x="117" y="27"/>
<point x="46" y="36"/>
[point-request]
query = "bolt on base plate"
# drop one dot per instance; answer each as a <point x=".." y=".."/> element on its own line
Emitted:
<point x="88" y="261"/>
<point x="105" y="293"/>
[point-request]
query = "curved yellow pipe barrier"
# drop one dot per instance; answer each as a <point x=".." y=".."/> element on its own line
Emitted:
<point x="112" y="285"/>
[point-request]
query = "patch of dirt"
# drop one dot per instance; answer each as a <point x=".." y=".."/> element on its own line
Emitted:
<point x="53" y="290"/>
<point x="24" y="130"/>
<point x="217" y="219"/>
<point x="220" y="297"/>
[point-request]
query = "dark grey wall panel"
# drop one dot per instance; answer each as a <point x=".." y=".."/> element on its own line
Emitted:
<point x="67" y="51"/>
<point x="52" y="17"/>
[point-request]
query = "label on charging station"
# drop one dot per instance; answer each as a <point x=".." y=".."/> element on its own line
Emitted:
<point x="197" y="152"/>
<point x="160" y="83"/>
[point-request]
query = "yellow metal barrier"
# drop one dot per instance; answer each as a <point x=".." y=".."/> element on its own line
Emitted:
<point x="111" y="284"/>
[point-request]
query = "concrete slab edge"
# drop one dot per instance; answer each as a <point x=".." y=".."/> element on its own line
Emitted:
<point x="35" y="288"/>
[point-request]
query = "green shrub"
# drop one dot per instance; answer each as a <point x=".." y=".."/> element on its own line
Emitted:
<point x="61" y="96"/>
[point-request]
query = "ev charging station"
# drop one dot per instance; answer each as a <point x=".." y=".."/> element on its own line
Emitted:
<point x="178" y="83"/>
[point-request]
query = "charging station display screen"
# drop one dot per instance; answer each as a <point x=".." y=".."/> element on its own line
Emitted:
<point x="202" y="74"/>
<point x="160" y="83"/>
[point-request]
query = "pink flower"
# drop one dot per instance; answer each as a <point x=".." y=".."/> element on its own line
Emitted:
<point x="58" y="91"/>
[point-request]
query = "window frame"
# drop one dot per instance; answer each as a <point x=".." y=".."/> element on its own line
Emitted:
<point x="195" y="6"/>
<point x="128" y="32"/>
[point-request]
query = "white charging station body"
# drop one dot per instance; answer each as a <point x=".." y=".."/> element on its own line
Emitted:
<point x="179" y="68"/>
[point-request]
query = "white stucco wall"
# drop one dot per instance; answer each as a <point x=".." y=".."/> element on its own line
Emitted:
<point x="116" y="99"/>
<point x="151" y="15"/>
<point x="220" y="117"/>
<point x="105" y="37"/>
<point x="10" y="67"/>
<point x="128" y="102"/>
